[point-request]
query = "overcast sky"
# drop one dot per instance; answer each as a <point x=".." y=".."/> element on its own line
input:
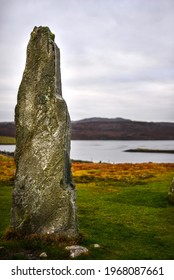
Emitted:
<point x="117" y="56"/>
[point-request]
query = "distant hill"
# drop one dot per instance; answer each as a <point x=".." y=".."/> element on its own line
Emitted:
<point x="110" y="129"/>
<point x="7" y="129"/>
<point x="121" y="129"/>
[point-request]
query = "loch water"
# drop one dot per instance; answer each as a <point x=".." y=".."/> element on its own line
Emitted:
<point x="114" y="151"/>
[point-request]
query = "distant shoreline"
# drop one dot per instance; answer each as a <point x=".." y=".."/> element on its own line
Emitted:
<point x="140" y="150"/>
<point x="7" y="144"/>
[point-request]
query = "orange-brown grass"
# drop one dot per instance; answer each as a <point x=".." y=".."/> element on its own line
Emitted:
<point x="84" y="171"/>
<point x="7" y="168"/>
<point x="125" y="172"/>
<point x="122" y="207"/>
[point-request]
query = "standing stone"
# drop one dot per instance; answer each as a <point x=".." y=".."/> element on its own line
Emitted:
<point x="43" y="198"/>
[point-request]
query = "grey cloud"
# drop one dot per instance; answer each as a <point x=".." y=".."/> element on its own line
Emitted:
<point x="112" y="53"/>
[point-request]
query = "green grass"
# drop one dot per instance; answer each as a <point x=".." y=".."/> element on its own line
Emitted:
<point x="5" y="140"/>
<point x="128" y="220"/>
<point x="5" y="205"/>
<point x="130" y="223"/>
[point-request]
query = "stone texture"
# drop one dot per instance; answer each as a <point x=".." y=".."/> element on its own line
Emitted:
<point x="97" y="246"/>
<point x="43" y="255"/>
<point x="76" y="250"/>
<point x="43" y="199"/>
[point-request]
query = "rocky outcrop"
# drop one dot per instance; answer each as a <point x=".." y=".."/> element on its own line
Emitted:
<point x="43" y="195"/>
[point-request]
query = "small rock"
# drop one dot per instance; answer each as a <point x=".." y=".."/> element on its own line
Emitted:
<point x="43" y="255"/>
<point x="97" y="245"/>
<point x="76" y="250"/>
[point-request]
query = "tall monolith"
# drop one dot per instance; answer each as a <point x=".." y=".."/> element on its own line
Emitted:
<point x="43" y="200"/>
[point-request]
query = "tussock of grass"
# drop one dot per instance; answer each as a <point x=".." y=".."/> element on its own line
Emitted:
<point x="122" y="207"/>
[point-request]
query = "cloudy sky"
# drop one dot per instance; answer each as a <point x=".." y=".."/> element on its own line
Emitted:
<point x="117" y="56"/>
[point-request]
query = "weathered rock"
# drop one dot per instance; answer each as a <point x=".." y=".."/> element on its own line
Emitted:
<point x="43" y="255"/>
<point x="76" y="250"/>
<point x="97" y="246"/>
<point x="43" y="195"/>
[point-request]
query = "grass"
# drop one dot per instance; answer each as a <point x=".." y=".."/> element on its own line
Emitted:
<point x="128" y="214"/>
<point x="5" y="140"/>
<point x="122" y="207"/>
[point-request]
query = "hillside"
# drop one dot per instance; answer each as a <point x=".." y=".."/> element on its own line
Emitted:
<point x="121" y="129"/>
<point x="7" y="129"/>
<point x="110" y="129"/>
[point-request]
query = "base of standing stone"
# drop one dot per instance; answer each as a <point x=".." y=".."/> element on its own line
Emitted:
<point x="13" y="234"/>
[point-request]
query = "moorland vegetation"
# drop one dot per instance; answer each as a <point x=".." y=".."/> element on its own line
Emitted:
<point x="121" y="207"/>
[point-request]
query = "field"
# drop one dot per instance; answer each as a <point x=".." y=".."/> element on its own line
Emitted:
<point x="5" y="140"/>
<point x="121" y="207"/>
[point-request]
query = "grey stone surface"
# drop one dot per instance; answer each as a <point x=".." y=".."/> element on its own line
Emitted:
<point x="97" y="245"/>
<point x="43" y="255"/>
<point x="43" y="199"/>
<point x="76" y="250"/>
